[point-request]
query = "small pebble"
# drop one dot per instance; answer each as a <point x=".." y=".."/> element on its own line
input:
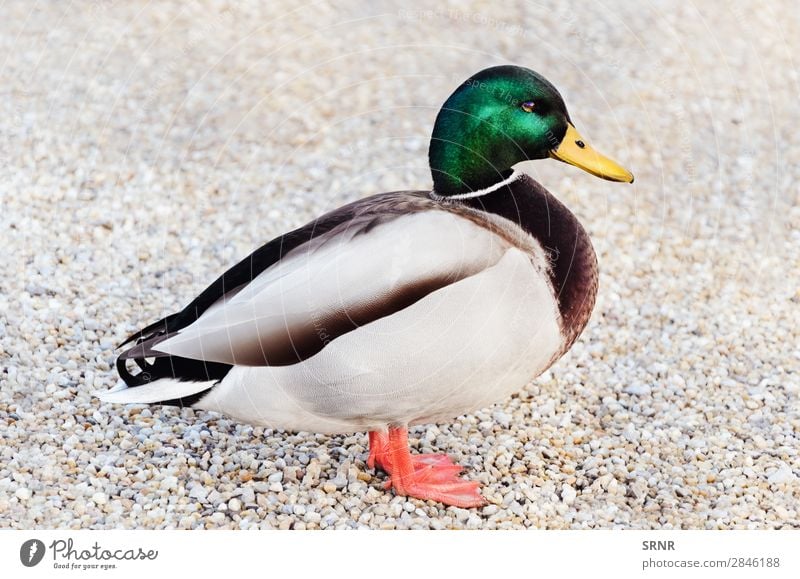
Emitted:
<point x="99" y="499"/>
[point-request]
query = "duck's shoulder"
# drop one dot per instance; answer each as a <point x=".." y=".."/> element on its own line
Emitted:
<point x="571" y="257"/>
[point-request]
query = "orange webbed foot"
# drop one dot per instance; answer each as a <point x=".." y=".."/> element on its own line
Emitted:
<point x="423" y="476"/>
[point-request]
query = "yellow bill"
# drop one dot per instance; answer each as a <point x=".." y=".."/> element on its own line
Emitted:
<point x="574" y="151"/>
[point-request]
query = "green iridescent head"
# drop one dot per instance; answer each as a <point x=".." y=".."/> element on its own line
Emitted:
<point x="500" y="117"/>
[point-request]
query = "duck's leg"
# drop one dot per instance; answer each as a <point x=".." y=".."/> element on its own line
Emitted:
<point x="378" y="446"/>
<point x="423" y="476"/>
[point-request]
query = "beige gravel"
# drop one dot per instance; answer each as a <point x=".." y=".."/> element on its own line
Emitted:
<point x="147" y="146"/>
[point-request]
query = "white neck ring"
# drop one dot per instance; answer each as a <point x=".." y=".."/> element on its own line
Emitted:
<point x="478" y="193"/>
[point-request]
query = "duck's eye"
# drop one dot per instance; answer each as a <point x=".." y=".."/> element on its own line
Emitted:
<point x="528" y="106"/>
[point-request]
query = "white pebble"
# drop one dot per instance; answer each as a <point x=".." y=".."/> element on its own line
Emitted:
<point x="782" y="475"/>
<point x="568" y="494"/>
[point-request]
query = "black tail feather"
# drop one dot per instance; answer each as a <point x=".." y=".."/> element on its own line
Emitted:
<point x="165" y="365"/>
<point x="163" y="325"/>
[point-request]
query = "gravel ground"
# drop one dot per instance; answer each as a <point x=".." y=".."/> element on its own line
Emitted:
<point x="145" y="147"/>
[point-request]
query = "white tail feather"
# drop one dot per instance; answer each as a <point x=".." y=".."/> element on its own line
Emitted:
<point x="156" y="391"/>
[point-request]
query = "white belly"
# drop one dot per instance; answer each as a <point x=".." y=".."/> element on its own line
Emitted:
<point x="459" y="349"/>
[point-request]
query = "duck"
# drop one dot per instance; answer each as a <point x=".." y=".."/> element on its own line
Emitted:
<point x="403" y="308"/>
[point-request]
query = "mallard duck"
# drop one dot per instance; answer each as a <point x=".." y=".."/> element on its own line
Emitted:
<point x="403" y="308"/>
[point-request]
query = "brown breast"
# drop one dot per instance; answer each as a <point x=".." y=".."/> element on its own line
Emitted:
<point x="574" y="272"/>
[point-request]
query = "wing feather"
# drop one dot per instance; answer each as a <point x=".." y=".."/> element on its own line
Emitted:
<point x="344" y="279"/>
